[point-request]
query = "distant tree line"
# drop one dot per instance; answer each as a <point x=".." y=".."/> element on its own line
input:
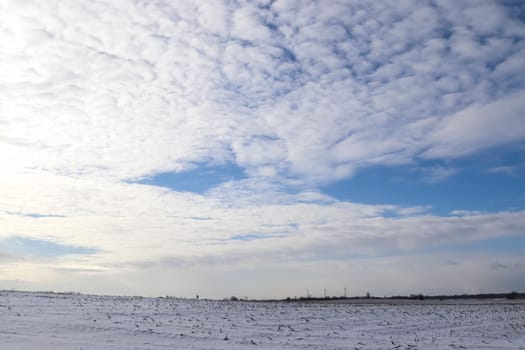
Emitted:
<point x="510" y="296"/>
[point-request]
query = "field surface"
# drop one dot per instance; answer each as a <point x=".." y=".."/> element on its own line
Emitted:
<point x="63" y="321"/>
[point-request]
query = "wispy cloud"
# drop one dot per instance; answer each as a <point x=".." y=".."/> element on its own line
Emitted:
<point x="435" y="174"/>
<point x="512" y="171"/>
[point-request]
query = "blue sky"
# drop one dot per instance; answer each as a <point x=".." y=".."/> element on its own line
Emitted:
<point x="198" y="180"/>
<point x="43" y="248"/>
<point x="489" y="182"/>
<point x="207" y="141"/>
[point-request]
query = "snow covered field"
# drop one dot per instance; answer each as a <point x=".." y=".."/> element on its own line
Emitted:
<point x="58" y="321"/>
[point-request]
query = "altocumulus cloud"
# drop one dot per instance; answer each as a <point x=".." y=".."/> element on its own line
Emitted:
<point x="96" y="97"/>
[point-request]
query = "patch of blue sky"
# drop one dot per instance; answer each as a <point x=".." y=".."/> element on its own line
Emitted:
<point x="43" y="248"/>
<point x="248" y="237"/>
<point x="35" y="215"/>
<point x="288" y="55"/>
<point x="255" y="236"/>
<point x="491" y="182"/>
<point x="201" y="218"/>
<point x="197" y="180"/>
<point x="516" y="9"/>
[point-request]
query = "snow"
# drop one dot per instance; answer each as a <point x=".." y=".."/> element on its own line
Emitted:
<point x="73" y="321"/>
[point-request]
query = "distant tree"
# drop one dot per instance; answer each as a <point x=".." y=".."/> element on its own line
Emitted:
<point x="234" y="298"/>
<point x="417" y="296"/>
<point x="368" y="295"/>
<point x="512" y="295"/>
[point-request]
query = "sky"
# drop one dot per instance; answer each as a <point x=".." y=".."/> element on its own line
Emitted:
<point x="262" y="148"/>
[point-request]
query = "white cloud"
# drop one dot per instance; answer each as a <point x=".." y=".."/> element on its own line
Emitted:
<point x="465" y="132"/>
<point x="298" y="93"/>
<point x="131" y="89"/>
<point x="145" y="228"/>
<point x="512" y="171"/>
<point x="435" y="174"/>
<point x="136" y="222"/>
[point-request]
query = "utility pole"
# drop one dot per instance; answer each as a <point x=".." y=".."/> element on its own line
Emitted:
<point x="325" y="293"/>
<point x="345" y="292"/>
